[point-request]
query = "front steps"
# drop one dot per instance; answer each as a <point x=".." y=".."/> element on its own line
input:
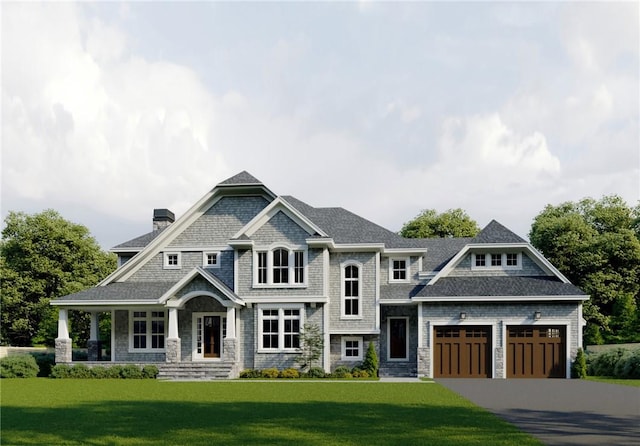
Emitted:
<point x="195" y="370"/>
<point x="399" y="371"/>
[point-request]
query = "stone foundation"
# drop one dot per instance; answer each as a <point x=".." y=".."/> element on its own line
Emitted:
<point x="63" y="350"/>
<point x="173" y="350"/>
<point x="94" y="350"/>
<point x="499" y="363"/>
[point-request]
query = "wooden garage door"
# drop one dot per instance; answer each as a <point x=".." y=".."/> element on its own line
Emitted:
<point x="462" y="352"/>
<point x="536" y="352"/>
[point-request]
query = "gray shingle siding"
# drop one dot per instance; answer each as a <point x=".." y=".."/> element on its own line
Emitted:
<point x="529" y="268"/>
<point x="280" y="229"/>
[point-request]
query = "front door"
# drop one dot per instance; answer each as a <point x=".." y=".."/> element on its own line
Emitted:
<point x="398" y="338"/>
<point x="208" y="333"/>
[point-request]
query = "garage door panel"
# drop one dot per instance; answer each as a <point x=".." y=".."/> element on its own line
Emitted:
<point x="462" y="352"/>
<point x="536" y="352"/>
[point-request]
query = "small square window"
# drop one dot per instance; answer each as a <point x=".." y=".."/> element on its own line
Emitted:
<point x="172" y="260"/>
<point x="496" y="259"/>
<point x="512" y="259"/>
<point x="210" y="259"/>
<point x="351" y="348"/>
<point x="481" y="260"/>
<point x="398" y="270"/>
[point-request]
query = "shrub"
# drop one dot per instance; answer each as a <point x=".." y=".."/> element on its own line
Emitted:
<point x="60" y="371"/>
<point x="270" y="373"/>
<point x="18" y="366"/>
<point x="370" y="363"/>
<point x="631" y="367"/>
<point x="316" y="372"/>
<point x="342" y="372"/>
<point x="604" y="364"/>
<point x="98" y="372"/>
<point x="358" y="373"/>
<point x="150" y="371"/>
<point x="114" y="372"/>
<point x="579" y="366"/>
<point x="131" y="371"/>
<point x="289" y="373"/>
<point x="250" y="373"/>
<point x="45" y="362"/>
<point x="80" y="371"/>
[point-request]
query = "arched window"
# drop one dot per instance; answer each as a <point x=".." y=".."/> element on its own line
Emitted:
<point x="280" y="266"/>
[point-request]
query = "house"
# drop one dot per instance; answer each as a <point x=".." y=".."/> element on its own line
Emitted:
<point x="230" y="284"/>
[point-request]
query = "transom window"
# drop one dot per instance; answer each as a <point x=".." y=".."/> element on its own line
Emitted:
<point x="509" y="260"/>
<point x="351" y="291"/>
<point x="351" y="348"/>
<point x="398" y="270"/>
<point x="147" y="330"/>
<point x="279" y="328"/>
<point x="280" y="266"/>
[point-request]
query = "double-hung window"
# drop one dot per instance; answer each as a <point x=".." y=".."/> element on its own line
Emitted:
<point x="280" y="266"/>
<point x="351" y="290"/>
<point x="279" y="327"/>
<point x="398" y="270"/>
<point x="147" y="330"/>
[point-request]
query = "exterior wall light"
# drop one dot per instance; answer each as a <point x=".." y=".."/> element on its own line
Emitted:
<point x="537" y="315"/>
<point x="463" y="316"/>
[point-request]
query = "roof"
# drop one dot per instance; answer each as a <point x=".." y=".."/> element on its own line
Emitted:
<point x="494" y="232"/>
<point x="140" y="242"/>
<point x="243" y="177"/>
<point x="120" y="291"/>
<point x="493" y="286"/>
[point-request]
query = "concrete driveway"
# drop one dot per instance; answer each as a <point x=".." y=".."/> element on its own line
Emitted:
<point x="559" y="411"/>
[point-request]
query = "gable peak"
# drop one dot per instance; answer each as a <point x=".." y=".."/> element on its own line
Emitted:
<point x="495" y="232"/>
<point x="242" y="178"/>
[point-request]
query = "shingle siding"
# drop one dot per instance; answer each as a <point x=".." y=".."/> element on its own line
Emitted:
<point x="529" y="268"/>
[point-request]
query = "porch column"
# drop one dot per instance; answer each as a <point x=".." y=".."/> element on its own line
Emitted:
<point x="173" y="341"/>
<point x="63" y="342"/>
<point x="231" y="323"/>
<point x="94" y="349"/>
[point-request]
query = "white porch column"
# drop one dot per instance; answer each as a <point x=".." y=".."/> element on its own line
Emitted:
<point x="63" y="342"/>
<point x="173" y="349"/>
<point x="173" y="323"/>
<point x="231" y="323"/>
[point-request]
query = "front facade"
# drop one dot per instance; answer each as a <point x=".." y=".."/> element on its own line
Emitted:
<point x="231" y="284"/>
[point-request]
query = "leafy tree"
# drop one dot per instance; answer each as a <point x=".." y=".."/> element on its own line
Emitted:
<point x="430" y="224"/>
<point x="595" y="244"/>
<point x="311" y="345"/>
<point x="44" y="256"/>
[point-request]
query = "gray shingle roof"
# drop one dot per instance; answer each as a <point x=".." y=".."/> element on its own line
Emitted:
<point x="140" y="242"/>
<point x="494" y="232"/>
<point x="243" y="177"/>
<point x="121" y="291"/>
<point x="516" y="286"/>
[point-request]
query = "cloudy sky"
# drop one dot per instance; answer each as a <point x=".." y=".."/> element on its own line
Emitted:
<point x="112" y="109"/>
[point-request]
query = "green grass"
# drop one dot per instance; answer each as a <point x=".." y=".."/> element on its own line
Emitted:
<point x="148" y="412"/>
<point x="609" y="380"/>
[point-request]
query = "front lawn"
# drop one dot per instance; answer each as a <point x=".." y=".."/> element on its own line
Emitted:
<point x="148" y="412"/>
<point x="610" y="380"/>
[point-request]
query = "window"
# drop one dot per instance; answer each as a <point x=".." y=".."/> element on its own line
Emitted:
<point x="481" y="260"/>
<point x="496" y="259"/>
<point x="147" y="330"/>
<point x="280" y="266"/>
<point x="210" y="259"/>
<point x="352" y="348"/>
<point x="172" y="260"/>
<point x="510" y="260"/>
<point x="280" y="328"/>
<point x="351" y="291"/>
<point x="398" y="270"/>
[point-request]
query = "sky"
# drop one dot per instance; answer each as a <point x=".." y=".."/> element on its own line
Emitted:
<point x="110" y="109"/>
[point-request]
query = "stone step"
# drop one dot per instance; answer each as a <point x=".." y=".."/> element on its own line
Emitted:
<point x="194" y="370"/>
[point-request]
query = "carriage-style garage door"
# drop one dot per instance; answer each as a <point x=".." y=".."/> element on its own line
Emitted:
<point x="536" y="352"/>
<point x="462" y="352"/>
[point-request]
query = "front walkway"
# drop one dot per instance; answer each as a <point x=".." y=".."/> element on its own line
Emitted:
<point x="559" y="411"/>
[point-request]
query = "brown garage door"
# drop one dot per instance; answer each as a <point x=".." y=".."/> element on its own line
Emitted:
<point x="462" y="352"/>
<point x="536" y="352"/>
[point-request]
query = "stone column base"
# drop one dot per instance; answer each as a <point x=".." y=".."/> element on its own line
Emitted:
<point x="423" y="362"/>
<point x="499" y="372"/>
<point x="172" y="348"/>
<point x="230" y="349"/>
<point x="94" y="350"/>
<point x="63" y="350"/>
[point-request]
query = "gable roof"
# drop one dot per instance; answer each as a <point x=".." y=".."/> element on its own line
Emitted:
<point x="232" y="299"/>
<point x="139" y="242"/>
<point x="243" y="178"/>
<point x="494" y="232"/>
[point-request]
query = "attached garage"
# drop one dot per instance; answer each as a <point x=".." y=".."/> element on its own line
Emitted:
<point x="462" y="352"/>
<point x="536" y="351"/>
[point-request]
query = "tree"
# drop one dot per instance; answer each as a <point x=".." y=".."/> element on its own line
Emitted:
<point x="44" y="256"/>
<point x="311" y="344"/>
<point x="430" y="224"/>
<point x="370" y="363"/>
<point x="595" y="244"/>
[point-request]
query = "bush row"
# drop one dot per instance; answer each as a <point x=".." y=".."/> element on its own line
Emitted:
<point x="129" y="371"/>
<point x="315" y="372"/>
<point x="617" y="363"/>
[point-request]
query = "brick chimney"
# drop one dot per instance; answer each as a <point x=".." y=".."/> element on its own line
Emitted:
<point x="162" y="218"/>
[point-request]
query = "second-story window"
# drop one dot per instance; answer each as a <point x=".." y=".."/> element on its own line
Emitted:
<point x="351" y="291"/>
<point x="280" y="266"/>
<point x="398" y="270"/>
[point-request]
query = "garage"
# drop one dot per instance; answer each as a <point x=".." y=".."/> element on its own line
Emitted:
<point x="536" y="351"/>
<point x="462" y="352"/>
